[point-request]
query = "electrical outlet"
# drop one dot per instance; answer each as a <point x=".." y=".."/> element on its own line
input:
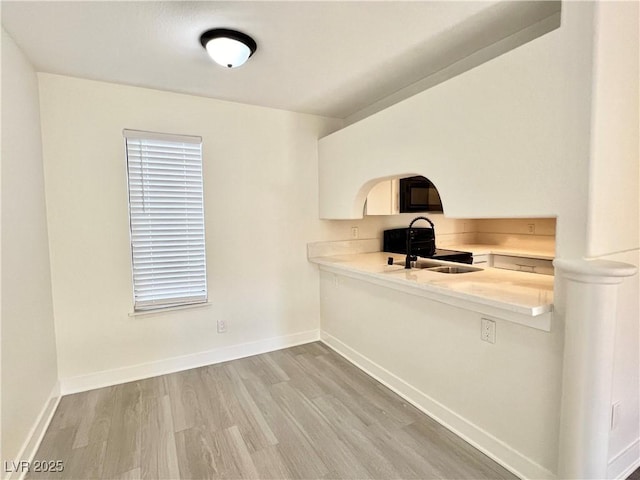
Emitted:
<point x="222" y="326"/>
<point x="531" y="228"/>
<point x="488" y="330"/>
<point x="354" y="232"/>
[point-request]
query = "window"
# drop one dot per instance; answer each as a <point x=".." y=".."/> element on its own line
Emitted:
<point x="166" y="217"/>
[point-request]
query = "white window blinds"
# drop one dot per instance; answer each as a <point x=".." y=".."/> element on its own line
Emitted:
<point x="166" y="215"/>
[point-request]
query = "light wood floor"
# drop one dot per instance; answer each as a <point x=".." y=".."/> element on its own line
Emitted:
<point x="303" y="412"/>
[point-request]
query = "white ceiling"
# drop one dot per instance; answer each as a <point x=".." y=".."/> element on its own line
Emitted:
<point x="330" y="58"/>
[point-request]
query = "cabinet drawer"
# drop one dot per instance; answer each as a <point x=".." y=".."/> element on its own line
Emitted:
<point x="477" y="259"/>
<point x="523" y="264"/>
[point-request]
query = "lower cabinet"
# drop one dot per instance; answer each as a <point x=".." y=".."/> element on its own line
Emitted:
<point x="482" y="259"/>
<point x="383" y="199"/>
<point x="510" y="262"/>
<point x="523" y="264"/>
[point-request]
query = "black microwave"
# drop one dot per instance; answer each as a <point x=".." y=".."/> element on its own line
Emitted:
<point x="418" y="194"/>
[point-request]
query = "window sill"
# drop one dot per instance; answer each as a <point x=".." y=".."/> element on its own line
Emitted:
<point x="158" y="311"/>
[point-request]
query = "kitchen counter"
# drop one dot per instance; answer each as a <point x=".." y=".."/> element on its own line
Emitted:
<point x="523" y="298"/>
<point x="527" y="252"/>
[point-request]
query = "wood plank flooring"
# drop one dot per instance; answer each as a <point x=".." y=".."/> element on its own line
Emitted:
<point x="300" y="413"/>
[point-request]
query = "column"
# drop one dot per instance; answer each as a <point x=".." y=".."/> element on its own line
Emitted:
<point x="590" y="291"/>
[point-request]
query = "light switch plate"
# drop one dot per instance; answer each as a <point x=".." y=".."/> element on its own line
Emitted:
<point x="615" y="415"/>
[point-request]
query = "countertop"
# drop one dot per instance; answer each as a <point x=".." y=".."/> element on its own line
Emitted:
<point x="519" y="251"/>
<point x="524" y="298"/>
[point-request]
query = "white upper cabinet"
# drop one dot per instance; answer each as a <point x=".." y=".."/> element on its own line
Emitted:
<point x="383" y="199"/>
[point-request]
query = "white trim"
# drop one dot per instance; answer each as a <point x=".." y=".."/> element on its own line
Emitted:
<point x="166" y="137"/>
<point x="176" y="364"/>
<point x="36" y="434"/>
<point x="625" y="462"/>
<point x="158" y="311"/>
<point x="491" y="446"/>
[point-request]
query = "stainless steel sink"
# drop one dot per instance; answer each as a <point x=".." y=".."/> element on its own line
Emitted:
<point x="454" y="270"/>
<point x="420" y="264"/>
<point x="425" y="264"/>
<point x="433" y="266"/>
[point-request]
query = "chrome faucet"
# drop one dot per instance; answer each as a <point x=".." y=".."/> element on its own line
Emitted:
<point x="412" y="258"/>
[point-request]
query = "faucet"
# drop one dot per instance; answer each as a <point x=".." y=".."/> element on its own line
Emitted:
<point x="412" y="258"/>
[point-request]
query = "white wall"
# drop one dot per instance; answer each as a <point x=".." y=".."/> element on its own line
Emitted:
<point x="503" y="397"/>
<point x="614" y="181"/>
<point x="624" y="440"/>
<point x="614" y="203"/>
<point x="548" y="129"/>
<point x="260" y="176"/>
<point x="29" y="372"/>
<point x="267" y="289"/>
<point x="509" y="138"/>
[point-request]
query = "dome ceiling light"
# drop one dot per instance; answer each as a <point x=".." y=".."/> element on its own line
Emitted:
<point x="228" y="48"/>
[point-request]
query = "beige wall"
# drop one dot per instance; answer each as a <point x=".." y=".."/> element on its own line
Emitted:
<point x="260" y="177"/>
<point x="29" y="373"/>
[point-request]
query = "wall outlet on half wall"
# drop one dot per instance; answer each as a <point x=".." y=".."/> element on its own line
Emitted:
<point x="222" y="326"/>
<point x="488" y="330"/>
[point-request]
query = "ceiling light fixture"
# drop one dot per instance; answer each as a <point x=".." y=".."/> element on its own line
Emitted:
<point x="228" y="48"/>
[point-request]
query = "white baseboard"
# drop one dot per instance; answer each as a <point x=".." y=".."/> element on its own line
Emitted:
<point x="491" y="446"/>
<point x="625" y="462"/>
<point x="176" y="364"/>
<point x="34" y="438"/>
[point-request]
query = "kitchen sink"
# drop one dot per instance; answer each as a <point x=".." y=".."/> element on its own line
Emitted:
<point x="425" y="264"/>
<point x="454" y="270"/>
<point x="439" y="267"/>
<point x="420" y="264"/>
